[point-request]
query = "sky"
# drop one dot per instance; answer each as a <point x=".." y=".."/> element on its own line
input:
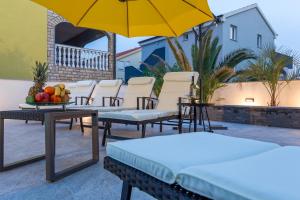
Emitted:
<point x="284" y="16"/>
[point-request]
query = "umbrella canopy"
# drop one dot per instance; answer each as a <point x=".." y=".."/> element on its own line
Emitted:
<point x="133" y="18"/>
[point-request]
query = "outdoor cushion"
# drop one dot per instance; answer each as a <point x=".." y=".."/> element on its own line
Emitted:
<point x="85" y="83"/>
<point x="105" y="88"/>
<point x="273" y="175"/>
<point x="110" y="83"/>
<point x="137" y="87"/>
<point x="101" y="109"/>
<point x="176" y="85"/>
<point x="137" y="115"/>
<point x="140" y="80"/>
<point x="180" y="76"/>
<point x="163" y="157"/>
<point x="82" y="89"/>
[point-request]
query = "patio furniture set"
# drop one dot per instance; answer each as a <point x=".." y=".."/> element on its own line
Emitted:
<point x="191" y="166"/>
<point x="127" y="110"/>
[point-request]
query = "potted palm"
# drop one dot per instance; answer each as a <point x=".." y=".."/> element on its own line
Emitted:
<point x="269" y="68"/>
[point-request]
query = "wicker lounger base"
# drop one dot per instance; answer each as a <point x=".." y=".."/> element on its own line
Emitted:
<point x="132" y="177"/>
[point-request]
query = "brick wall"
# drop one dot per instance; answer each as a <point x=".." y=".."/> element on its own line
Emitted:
<point x="267" y="116"/>
<point x="68" y="74"/>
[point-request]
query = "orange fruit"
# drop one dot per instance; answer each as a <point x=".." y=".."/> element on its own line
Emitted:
<point x="49" y="90"/>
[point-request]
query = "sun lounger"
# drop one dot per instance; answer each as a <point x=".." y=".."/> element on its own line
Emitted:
<point x="82" y="90"/>
<point x="137" y="87"/>
<point x="153" y="164"/>
<point x="104" y="92"/>
<point x="176" y="85"/>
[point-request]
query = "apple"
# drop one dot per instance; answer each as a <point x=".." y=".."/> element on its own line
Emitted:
<point x="46" y="97"/>
<point x="38" y="97"/>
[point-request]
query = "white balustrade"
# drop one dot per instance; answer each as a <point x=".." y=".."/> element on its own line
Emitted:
<point x="69" y="56"/>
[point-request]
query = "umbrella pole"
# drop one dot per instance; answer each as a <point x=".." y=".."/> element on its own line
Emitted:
<point x="200" y="35"/>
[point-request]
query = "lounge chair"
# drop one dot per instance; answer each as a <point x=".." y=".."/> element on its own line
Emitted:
<point x="153" y="164"/>
<point x="176" y="85"/>
<point x="104" y="92"/>
<point x="138" y="87"/>
<point x="81" y="91"/>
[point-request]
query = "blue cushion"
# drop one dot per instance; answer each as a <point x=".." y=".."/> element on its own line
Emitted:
<point x="273" y="175"/>
<point x="163" y="157"/>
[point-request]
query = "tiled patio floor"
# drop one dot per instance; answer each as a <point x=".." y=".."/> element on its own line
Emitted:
<point x="94" y="183"/>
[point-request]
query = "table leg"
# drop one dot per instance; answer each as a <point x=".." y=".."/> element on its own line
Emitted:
<point x="1" y="144"/>
<point x="50" y="148"/>
<point x="195" y="118"/>
<point x="95" y="138"/>
<point x="16" y="164"/>
<point x="51" y="174"/>
<point x="208" y="120"/>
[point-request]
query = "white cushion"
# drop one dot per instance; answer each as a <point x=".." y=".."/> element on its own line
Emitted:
<point x="181" y="76"/>
<point x="71" y="85"/>
<point x="163" y="157"/>
<point x="85" y="83"/>
<point x="137" y="115"/>
<point x="82" y="89"/>
<point x="176" y="85"/>
<point x="100" y="109"/>
<point x="141" y="81"/>
<point x="137" y="87"/>
<point x="110" y="83"/>
<point x="105" y="88"/>
<point x="273" y="175"/>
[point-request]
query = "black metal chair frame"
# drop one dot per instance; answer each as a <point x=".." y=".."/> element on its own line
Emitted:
<point x="109" y="121"/>
<point x="132" y="177"/>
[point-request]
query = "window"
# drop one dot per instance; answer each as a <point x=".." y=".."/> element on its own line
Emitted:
<point x="185" y="37"/>
<point x="233" y="32"/>
<point x="259" y="41"/>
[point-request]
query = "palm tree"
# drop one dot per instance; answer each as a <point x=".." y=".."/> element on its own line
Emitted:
<point x="213" y="75"/>
<point x="269" y="68"/>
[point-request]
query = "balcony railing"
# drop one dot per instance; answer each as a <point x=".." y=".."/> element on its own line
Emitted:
<point x="69" y="56"/>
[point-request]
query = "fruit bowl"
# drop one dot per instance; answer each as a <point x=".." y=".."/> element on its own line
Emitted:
<point x="50" y="103"/>
<point x="56" y="95"/>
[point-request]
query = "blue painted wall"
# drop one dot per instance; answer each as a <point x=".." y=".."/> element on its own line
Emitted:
<point x="249" y="23"/>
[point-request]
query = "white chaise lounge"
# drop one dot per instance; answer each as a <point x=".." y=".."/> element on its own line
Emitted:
<point x="137" y="89"/>
<point x="176" y="85"/>
<point x="205" y="166"/>
<point x="105" y="91"/>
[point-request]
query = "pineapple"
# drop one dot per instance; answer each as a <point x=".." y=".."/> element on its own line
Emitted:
<point x="40" y="76"/>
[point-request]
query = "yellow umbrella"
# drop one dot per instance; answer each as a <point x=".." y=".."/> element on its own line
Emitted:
<point x="133" y="18"/>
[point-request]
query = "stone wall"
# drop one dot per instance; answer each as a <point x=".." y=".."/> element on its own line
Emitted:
<point x="68" y="74"/>
<point x="267" y="116"/>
